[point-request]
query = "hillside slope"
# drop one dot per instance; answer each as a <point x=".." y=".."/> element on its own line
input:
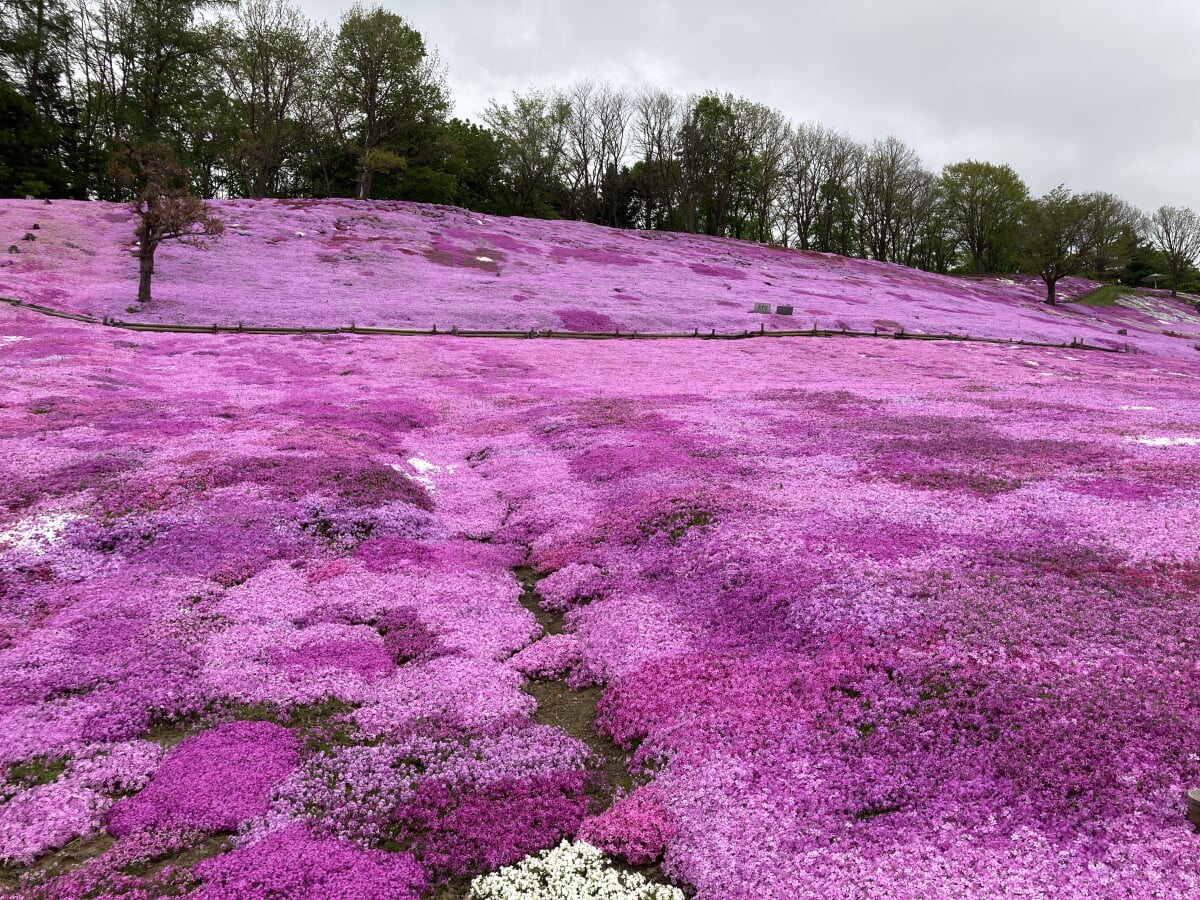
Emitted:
<point x="339" y="262"/>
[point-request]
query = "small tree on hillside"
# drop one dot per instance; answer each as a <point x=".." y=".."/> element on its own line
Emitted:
<point x="1052" y="239"/>
<point x="1175" y="232"/>
<point x="165" y="207"/>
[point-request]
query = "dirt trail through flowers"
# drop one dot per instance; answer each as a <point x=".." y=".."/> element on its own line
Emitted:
<point x="573" y="711"/>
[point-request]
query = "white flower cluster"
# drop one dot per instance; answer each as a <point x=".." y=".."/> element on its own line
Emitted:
<point x="569" y="872"/>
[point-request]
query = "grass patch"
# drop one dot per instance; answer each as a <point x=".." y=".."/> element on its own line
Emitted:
<point x="37" y="771"/>
<point x="1106" y="296"/>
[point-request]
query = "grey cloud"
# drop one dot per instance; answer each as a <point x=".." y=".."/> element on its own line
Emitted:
<point x="1099" y="94"/>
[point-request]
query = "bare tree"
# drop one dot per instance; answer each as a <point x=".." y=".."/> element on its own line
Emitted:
<point x="582" y="153"/>
<point x="889" y="188"/>
<point x="803" y="176"/>
<point x="597" y="133"/>
<point x="922" y="235"/>
<point x="166" y="209"/>
<point x="1175" y="231"/>
<point x="842" y="162"/>
<point x="657" y="120"/>
<point x="614" y="112"/>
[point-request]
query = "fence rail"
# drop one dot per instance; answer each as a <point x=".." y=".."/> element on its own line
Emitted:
<point x="618" y="334"/>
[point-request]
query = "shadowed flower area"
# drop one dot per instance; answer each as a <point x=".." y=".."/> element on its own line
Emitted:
<point x="336" y="616"/>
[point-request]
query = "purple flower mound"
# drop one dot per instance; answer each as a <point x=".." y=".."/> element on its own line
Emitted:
<point x="211" y="782"/>
<point x="717" y="271"/>
<point x="496" y="825"/>
<point x="637" y="828"/>
<point x="585" y="321"/>
<point x="405" y="637"/>
<point x="292" y="865"/>
<point x="554" y="656"/>
<point x="366" y="659"/>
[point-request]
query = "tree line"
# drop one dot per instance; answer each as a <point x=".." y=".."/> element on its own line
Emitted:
<point x="256" y="100"/>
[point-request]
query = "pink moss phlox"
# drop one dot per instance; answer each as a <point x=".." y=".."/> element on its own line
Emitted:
<point x="211" y="782"/>
<point x="637" y="828"/>
<point x="551" y="657"/>
<point x="46" y="817"/>
<point x="292" y="865"/>
<point x="480" y="829"/>
<point x="572" y="585"/>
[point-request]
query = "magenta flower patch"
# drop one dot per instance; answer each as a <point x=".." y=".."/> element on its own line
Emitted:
<point x="290" y="863"/>
<point x="211" y="782"/>
<point x="636" y="829"/>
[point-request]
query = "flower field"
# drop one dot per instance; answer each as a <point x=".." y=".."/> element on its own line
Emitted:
<point x="372" y="617"/>
<point x="336" y="263"/>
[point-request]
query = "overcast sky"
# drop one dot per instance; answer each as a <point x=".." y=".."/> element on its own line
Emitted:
<point x="1099" y="94"/>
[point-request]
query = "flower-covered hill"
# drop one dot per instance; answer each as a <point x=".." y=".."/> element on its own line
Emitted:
<point x="286" y="616"/>
<point x="337" y="262"/>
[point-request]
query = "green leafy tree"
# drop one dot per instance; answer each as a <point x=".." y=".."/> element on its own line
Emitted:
<point x="1111" y="233"/>
<point x="1052" y="237"/>
<point x="25" y="142"/>
<point x="475" y="164"/>
<point x="144" y="73"/>
<point x="531" y="131"/>
<point x="37" y="140"/>
<point x="709" y="158"/>
<point x="271" y="59"/>
<point x="384" y="81"/>
<point x="982" y="204"/>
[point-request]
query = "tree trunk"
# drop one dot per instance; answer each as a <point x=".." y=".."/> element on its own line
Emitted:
<point x="1051" y="293"/>
<point x="145" y="272"/>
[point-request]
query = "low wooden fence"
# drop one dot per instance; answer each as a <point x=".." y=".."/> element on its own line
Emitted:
<point x="617" y="334"/>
